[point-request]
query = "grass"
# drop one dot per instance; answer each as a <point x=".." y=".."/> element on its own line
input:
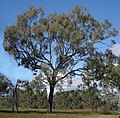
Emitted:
<point x="56" y="114"/>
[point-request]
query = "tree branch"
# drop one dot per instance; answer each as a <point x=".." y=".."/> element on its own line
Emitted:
<point x="72" y="71"/>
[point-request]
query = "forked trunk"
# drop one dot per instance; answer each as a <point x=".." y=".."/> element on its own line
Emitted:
<point x="50" y="99"/>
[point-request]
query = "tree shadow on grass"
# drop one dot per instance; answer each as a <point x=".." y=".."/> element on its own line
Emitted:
<point x="59" y="112"/>
<point x="24" y="111"/>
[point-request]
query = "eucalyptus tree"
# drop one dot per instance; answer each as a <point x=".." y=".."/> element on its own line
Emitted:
<point x="15" y="92"/>
<point x="5" y="91"/>
<point x="55" y="44"/>
<point x="115" y="74"/>
<point x="5" y="85"/>
<point x="101" y="70"/>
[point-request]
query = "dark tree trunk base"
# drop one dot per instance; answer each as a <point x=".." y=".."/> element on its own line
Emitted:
<point x="50" y="99"/>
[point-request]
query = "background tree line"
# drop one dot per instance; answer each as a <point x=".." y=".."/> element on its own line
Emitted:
<point x="86" y="96"/>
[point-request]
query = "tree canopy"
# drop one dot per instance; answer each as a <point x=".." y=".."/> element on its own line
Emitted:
<point x="55" y="44"/>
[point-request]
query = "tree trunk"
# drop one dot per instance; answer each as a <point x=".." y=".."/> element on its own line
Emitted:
<point x="13" y="101"/>
<point x="17" y="107"/>
<point x="16" y="98"/>
<point x="50" y="99"/>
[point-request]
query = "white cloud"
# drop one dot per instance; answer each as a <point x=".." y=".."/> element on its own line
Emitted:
<point x="75" y="82"/>
<point x="116" y="49"/>
<point x="9" y="68"/>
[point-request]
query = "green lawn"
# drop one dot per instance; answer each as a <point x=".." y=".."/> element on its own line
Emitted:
<point x="55" y="114"/>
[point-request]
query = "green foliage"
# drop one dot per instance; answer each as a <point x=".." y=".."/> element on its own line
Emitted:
<point x="102" y="73"/>
<point x="5" y="103"/>
<point x="31" y="99"/>
<point x="68" y="100"/>
<point x="115" y="74"/>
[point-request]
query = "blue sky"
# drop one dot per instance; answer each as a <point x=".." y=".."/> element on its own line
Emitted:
<point x="9" y="9"/>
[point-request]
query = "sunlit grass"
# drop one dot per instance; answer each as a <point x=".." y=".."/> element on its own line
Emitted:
<point x="35" y="113"/>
